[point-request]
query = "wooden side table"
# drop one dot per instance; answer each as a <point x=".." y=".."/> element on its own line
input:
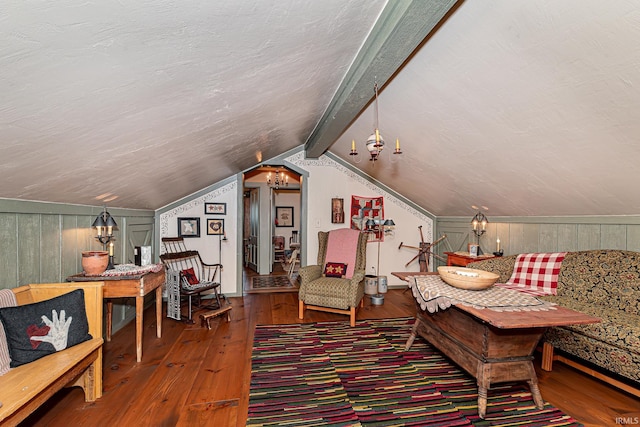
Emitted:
<point x="132" y="286"/>
<point x="461" y="259"/>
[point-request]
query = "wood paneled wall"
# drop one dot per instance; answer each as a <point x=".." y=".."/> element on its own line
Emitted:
<point x="542" y="234"/>
<point x="43" y="242"/>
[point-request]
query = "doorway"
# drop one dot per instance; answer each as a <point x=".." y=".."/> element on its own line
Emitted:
<point x="272" y="213"/>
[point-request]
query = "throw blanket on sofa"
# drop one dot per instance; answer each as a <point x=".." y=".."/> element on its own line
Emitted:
<point x="536" y="274"/>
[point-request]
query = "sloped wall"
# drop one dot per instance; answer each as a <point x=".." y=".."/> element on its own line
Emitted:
<point x="212" y="248"/>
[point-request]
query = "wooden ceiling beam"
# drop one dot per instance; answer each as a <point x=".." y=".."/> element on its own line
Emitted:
<point x="402" y="27"/>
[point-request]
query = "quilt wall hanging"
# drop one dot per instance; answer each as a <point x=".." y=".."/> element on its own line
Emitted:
<point x="365" y="208"/>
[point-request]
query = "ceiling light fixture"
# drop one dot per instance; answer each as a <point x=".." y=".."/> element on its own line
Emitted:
<point x="375" y="142"/>
<point x="280" y="180"/>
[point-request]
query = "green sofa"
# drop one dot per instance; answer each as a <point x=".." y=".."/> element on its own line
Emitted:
<point x="602" y="283"/>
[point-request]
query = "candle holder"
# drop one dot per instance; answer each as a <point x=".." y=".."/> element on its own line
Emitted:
<point x="104" y="225"/>
<point x="479" y="224"/>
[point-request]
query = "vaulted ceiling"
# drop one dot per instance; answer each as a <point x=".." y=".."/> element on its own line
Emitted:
<point x="527" y="108"/>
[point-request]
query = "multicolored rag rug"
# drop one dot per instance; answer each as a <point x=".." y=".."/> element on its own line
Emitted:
<point x="329" y="374"/>
<point x="272" y="284"/>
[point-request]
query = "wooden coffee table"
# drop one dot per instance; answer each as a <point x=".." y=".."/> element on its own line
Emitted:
<point x="492" y="346"/>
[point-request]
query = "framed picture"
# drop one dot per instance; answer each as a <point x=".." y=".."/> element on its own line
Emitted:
<point x="215" y="227"/>
<point x="215" y="208"/>
<point x="337" y="211"/>
<point x="188" y="227"/>
<point x="284" y="216"/>
<point x="473" y="249"/>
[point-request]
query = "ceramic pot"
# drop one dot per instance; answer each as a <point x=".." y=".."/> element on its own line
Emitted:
<point x="382" y="284"/>
<point x="370" y="285"/>
<point x="94" y="262"/>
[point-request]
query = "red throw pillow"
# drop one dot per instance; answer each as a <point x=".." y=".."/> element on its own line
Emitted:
<point x="335" y="269"/>
<point x="190" y="275"/>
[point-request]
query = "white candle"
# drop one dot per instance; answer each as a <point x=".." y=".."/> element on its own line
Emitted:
<point x="111" y="249"/>
<point x="498" y="245"/>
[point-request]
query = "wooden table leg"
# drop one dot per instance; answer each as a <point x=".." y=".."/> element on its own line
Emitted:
<point x="159" y="312"/>
<point x="533" y="386"/>
<point x="109" y="319"/>
<point x="412" y="337"/>
<point x="139" y="314"/>
<point x="483" y="378"/>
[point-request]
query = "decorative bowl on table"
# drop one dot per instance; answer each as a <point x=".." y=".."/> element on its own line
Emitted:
<point x="94" y="263"/>
<point x="467" y="278"/>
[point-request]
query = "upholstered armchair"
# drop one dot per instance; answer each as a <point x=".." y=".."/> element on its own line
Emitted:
<point x="342" y="249"/>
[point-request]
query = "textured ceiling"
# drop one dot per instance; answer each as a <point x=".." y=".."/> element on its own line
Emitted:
<point x="153" y="100"/>
<point x="528" y="108"/>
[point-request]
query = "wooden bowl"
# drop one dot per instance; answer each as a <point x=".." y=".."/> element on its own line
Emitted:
<point x="467" y="278"/>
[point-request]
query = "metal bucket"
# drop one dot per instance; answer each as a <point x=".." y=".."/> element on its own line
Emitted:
<point x="370" y="285"/>
<point x="382" y="284"/>
<point x="377" y="299"/>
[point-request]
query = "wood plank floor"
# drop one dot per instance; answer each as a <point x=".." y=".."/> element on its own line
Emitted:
<point x="194" y="376"/>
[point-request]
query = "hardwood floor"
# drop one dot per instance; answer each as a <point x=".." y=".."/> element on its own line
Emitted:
<point x="195" y="376"/>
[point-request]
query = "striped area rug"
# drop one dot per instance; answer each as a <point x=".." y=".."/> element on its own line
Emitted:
<point x="329" y="374"/>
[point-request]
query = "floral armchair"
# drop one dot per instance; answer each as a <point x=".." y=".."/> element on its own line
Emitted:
<point x="343" y="292"/>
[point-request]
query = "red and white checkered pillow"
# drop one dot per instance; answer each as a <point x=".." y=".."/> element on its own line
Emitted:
<point x="537" y="273"/>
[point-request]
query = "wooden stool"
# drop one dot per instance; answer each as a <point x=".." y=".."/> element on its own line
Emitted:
<point x="204" y="318"/>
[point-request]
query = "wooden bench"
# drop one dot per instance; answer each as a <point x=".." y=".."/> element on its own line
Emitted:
<point x="206" y="317"/>
<point x="25" y="388"/>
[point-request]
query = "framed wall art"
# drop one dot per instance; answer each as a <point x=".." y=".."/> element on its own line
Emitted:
<point x="337" y="211"/>
<point x="474" y="250"/>
<point x="284" y="216"/>
<point x="215" y="227"/>
<point x="215" y="208"/>
<point x="188" y="227"/>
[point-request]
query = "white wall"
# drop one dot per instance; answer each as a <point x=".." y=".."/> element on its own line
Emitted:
<point x="209" y="246"/>
<point x="328" y="179"/>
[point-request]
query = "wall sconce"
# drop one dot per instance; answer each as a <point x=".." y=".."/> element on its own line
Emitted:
<point x="105" y="224"/>
<point x="479" y="224"/>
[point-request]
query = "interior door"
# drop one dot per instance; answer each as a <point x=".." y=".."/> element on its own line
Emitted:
<point x="137" y="235"/>
<point x="272" y="216"/>
<point x="254" y="229"/>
